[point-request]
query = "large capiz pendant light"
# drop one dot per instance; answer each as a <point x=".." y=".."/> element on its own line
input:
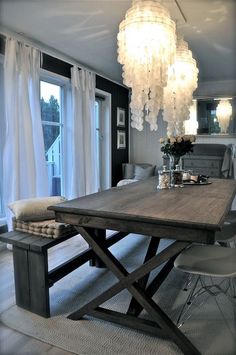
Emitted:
<point x="178" y="94"/>
<point x="223" y="114"/>
<point x="146" y="48"/>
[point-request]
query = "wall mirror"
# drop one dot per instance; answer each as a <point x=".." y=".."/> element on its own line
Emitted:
<point x="216" y="116"/>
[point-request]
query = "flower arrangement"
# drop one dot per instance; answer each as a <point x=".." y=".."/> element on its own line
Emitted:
<point x="177" y="145"/>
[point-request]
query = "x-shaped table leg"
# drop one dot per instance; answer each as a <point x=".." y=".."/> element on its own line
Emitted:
<point x="129" y="281"/>
<point x="152" y="250"/>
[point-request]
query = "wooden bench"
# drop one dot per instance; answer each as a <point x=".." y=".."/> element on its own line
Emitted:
<point x="32" y="277"/>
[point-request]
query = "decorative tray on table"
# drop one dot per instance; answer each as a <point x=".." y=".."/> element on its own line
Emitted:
<point x="197" y="183"/>
<point x="197" y="180"/>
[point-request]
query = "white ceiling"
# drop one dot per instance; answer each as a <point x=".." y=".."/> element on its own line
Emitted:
<point x="86" y="31"/>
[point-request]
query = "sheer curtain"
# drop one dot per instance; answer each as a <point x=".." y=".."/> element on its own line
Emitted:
<point x="25" y="172"/>
<point x="82" y="177"/>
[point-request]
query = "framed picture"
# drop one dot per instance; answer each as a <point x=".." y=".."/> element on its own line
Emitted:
<point x="121" y="142"/>
<point x="120" y="117"/>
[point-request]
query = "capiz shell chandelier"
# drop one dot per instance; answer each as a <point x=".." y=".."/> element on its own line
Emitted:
<point x="223" y="114"/>
<point x="146" y="48"/>
<point x="178" y="94"/>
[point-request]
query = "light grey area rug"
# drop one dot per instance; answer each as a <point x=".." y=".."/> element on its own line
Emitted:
<point x="211" y="327"/>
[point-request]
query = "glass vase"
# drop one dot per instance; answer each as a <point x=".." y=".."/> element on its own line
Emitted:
<point x="180" y="163"/>
<point x="175" y="160"/>
<point x="171" y="170"/>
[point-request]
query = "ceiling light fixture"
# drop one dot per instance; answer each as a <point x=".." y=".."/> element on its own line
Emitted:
<point x="178" y="94"/>
<point x="223" y="114"/>
<point x="146" y="48"/>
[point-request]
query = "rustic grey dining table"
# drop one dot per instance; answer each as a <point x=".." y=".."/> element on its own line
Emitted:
<point x="185" y="215"/>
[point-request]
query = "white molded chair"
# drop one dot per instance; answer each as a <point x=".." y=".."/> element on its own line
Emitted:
<point x="207" y="260"/>
<point x="226" y="237"/>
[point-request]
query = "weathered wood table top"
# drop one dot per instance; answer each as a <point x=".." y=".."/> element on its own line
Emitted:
<point x="123" y="208"/>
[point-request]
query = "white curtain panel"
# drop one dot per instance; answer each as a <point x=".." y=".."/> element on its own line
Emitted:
<point x="84" y="172"/>
<point x="25" y="172"/>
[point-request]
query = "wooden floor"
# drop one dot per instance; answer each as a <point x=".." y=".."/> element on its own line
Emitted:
<point x="11" y="341"/>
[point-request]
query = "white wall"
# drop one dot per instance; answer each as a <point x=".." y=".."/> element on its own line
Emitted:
<point x="145" y="146"/>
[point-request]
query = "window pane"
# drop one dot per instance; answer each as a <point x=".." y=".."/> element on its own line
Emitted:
<point x="51" y="117"/>
<point x="50" y="101"/>
<point x="51" y="136"/>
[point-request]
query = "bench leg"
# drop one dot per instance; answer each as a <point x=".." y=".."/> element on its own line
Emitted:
<point x="31" y="281"/>
<point x="21" y="275"/>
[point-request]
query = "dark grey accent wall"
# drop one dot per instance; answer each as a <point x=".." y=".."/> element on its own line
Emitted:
<point x="120" y="98"/>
